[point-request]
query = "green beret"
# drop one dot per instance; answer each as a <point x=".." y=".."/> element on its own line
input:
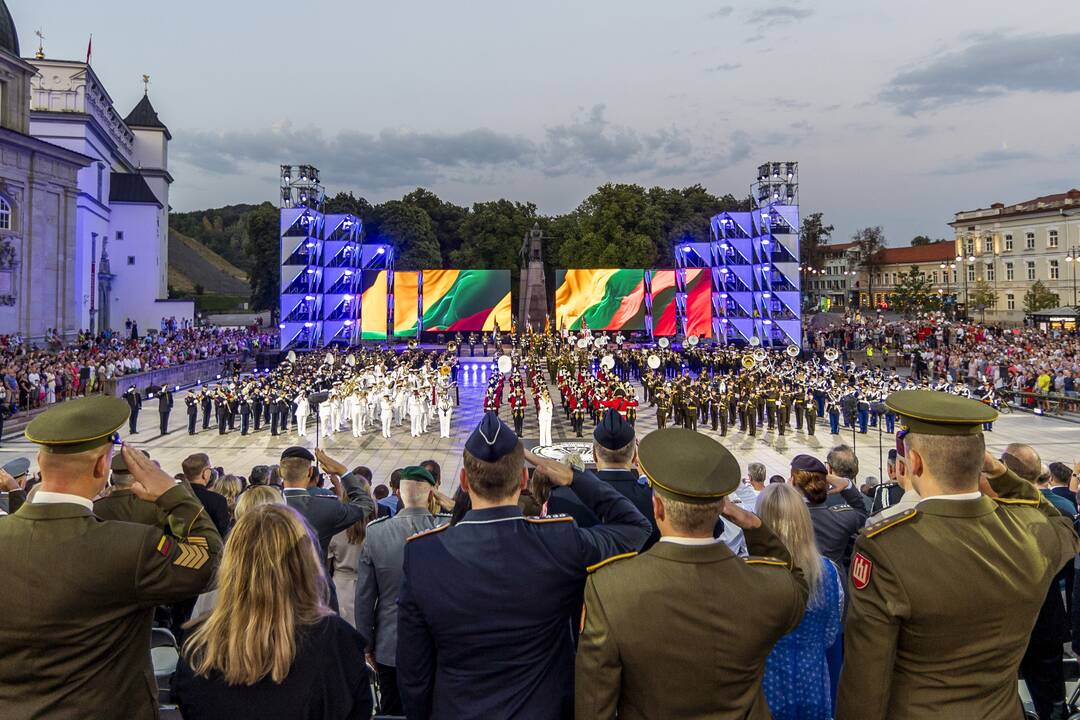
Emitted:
<point x="930" y="412"/>
<point x="688" y="466"/>
<point x="77" y="425"/>
<point x="417" y="473"/>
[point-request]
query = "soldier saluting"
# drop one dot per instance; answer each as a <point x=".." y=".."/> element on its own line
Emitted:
<point x="134" y="400"/>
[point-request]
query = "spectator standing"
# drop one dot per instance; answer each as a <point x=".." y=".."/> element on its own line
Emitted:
<point x="199" y="472"/>
<point x="835" y="526"/>
<point x="797" y="683"/>
<point x="271" y="647"/>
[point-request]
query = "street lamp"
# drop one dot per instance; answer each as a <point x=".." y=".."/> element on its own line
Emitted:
<point x="1073" y="258"/>
<point x="948" y="269"/>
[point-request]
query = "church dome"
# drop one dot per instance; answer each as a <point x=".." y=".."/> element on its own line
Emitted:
<point x="9" y="39"/>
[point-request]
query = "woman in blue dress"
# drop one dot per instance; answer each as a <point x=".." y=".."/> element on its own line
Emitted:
<point x="796" y="673"/>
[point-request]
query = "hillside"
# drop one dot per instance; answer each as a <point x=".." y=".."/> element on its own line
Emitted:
<point x="222" y="230"/>
<point x="191" y="263"/>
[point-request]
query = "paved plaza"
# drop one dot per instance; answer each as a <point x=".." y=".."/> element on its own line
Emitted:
<point x="1055" y="440"/>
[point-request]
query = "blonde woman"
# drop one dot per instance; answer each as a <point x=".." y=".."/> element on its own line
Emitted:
<point x="271" y="647"/>
<point x="796" y="682"/>
<point x="229" y="487"/>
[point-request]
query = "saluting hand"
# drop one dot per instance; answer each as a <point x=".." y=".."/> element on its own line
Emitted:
<point x="743" y="519"/>
<point x="150" y="481"/>
<point x="7" y="482"/>
<point x="329" y="464"/>
<point x="555" y="472"/>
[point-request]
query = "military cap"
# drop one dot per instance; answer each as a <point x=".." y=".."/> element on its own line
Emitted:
<point x="929" y="412"/>
<point x="77" y="425"/>
<point x="809" y="463"/>
<point x="492" y="439"/>
<point x="297" y="452"/>
<point x="119" y="465"/>
<point x="688" y="466"/>
<point x="613" y="432"/>
<point x="18" y="466"/>
<point x="417" y="473"/>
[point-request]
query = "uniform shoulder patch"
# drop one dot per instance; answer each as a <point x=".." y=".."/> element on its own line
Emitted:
<point x="551" y="519"/>
<point x="841" y="508"/>
<point x="1016" y="501"/>
<point x="425" y="533"/>
<point x="763" y="560"/>
<point x="890" y="522"/>
<point x="193" y="553"/>
<point x="376" y="521"/>
<point x="608" y="561"/>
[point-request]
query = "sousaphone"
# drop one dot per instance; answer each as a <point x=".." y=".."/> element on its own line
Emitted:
<point x="607" y="362"/>
<point x="792" y="351"/>
<point x="664" y="343"/>
<point x="832" y="354"/>
<point x="653" y="361"/>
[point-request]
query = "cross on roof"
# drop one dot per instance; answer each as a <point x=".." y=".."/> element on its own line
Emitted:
<point x="41" y="44"/>
<point x="146" y="84"/>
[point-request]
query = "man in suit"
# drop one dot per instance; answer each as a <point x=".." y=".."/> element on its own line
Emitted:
<point x="165" y="403"/>
<point x="84" y="650"/>
<point x="635" y="666"/>
<point x="486" y="606"/>
<point x="944" y="596"/>
<point x="326" y="515"/>
<point x="615" y="452"/>
<point x="123" y="504"/>
<point x="379" y="578"/>
<point x="199" y="472"/>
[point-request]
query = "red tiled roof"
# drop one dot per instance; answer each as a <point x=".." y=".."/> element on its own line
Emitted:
<point x="1039" y="204"/>
<point x="838" y="247"/>
<point x="919" y="253"/>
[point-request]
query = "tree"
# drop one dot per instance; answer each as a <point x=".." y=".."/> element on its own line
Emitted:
<point x="407" y="229"/>
<point x="1038" y="297"/>
<point x="346" y="203"/>
<point x="615" y="228"/>
<point x="494" y="231"/>
<point x="914" y="293"/>
<point x="984" y="296"/>
<point x="263" y="248"/>
<point x="445" y="217"/>
<point x="920" y="240"/>
<point x="813" y="234"/>
<point x="870" y="242"/>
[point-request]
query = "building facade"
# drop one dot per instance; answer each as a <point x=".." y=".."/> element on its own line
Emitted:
<point x="1012" y="246"/>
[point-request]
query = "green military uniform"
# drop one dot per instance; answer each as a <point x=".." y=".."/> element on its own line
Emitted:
<point x="689" y="655"/>
<point x="122" y="504"/>
<point x="943" y="597"/>
<point x="82" y="648"/>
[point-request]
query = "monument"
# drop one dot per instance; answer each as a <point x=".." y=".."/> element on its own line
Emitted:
<point x="533" y="296"/>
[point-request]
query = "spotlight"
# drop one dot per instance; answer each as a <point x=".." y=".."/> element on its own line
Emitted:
<point x="281" y="326"/>
<point x="310" y="244"/>
<point x="311" y="271"/>
<point x="348" y="323"/>
<point x="307" y="325"/>
<point x="218" y="377"/>
<point x="309" y="297"/>
<point x="381" y="251"/>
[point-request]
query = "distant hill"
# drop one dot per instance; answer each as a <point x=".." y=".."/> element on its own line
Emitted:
<point x="222" y="230"/>
<point x="191" y="263"/>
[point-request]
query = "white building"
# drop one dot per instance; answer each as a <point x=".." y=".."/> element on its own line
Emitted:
<point x="122" y="216"/>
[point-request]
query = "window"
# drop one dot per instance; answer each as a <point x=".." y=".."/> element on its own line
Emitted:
<point x="971" y="273"/>
<point x="1010" y="301"/>
<point x="5" y="214"/>
<point x="1053" y="269"/>
<point x="954" y="275"/>
<point x="1008" y="243"/>
<point x="1030" y="269"/>
<point x="969" y="246"/>
<point x="1009" y="274"/>
<point x="935" y="276"/>
<point x="101" y="182"/>
<point x="119" y="234"/>
<point x="131" y="259"/>
<point x="990" y="275"/>
<point x="988" y="244"/>
<point x="1052" y="239"/>
<point x="1029" y="241"/>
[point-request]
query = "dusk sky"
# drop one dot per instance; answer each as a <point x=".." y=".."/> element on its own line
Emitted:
<point x="899" y="113"/>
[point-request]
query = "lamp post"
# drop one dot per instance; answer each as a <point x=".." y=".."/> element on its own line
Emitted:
<point x="948" y="269"/>
<point x="1073" y="258"/>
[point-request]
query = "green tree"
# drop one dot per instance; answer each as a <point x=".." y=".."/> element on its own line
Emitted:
<point x="616" y="227"/>
<point x="813" y="234"/>
<point x="347" y="203"/>
<point x="494" y="231"/>
<point x="1038" y="297"/>
<point x="914" y="293"/>
<point x="263" y="249"/>
<point x="983" y="296"/>
<point x="407" y="229"/>
<point x="445" y="217"/>
<point x="870" y="242"/>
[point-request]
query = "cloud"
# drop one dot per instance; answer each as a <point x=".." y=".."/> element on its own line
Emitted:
<point x="720" y="12"/>
<point x="587" y="146"/>
<point x="724" y="67"/>
<point x="993" y="66"/>
<point x="779" y="15"/>
<point x="989" y="160"/>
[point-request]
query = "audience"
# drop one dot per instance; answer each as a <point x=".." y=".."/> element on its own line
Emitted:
<point x="271" y="646"/>
<point x="835" y="526"/>
<point x="199" y="473"/>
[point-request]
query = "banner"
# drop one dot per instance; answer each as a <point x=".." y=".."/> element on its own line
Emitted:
<point x="600" y="299"/>
<point x="406" y="288"/>
<point x="466" y="300"/>
<point x="699" y="309"/>
<point x="373" y="305"/>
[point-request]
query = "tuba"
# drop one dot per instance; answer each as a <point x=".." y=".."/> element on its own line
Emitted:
<point x="748" y="361"/>
<point x="451" y="347"/>
<point x="412" y="344"/>
<point x="831" y="354"/>
<point x="792" y="351"/>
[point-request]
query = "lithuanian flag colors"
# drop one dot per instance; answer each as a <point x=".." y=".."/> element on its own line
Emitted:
<point x="601" y="299"/>
<point x="373" y="305"/>
<point x="698" y="302"/>
<point x="466" y="300"/>
<point x="406" y="288"/>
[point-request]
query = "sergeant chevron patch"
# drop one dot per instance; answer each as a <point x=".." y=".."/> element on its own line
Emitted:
<point x="192" y="556"/>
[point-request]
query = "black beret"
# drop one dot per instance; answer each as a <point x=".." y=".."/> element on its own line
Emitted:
<point x="809" y="463"/>
<point x="297" y="452"/>
<point x="613" y="432"/>
<point x="492" y="439"/>
<point x="687" y="465"/>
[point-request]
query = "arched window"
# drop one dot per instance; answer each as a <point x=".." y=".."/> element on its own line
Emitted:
<point x="5" y="213"/>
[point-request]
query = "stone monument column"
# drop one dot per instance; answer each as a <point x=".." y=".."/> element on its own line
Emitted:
<point x="533" y="296"/>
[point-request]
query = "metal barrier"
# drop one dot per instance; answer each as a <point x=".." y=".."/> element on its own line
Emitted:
<point x="1054" y="404"/>
<point x="190" y="373"/>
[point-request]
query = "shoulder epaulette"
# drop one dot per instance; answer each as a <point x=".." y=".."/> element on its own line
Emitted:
<point x="608" y="561"/>
<point x="559" y="517"/>
<point x="376" y="521"/>
<point x="762" y="560"/>
<point x="840" y="508"/>
<point x="883" y="525"/>
<point x="432" y="531"/>
<point x="444" y="515"/>
<point x="1016" y="501"/>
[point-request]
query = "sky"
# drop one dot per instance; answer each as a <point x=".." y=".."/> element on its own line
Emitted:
<point x="899" y="113"/>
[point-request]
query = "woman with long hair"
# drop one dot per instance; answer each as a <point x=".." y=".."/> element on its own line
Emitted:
<point x="271" y="646"/>
<point x="229" y="486"/>
<point x="797" y="684"/>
